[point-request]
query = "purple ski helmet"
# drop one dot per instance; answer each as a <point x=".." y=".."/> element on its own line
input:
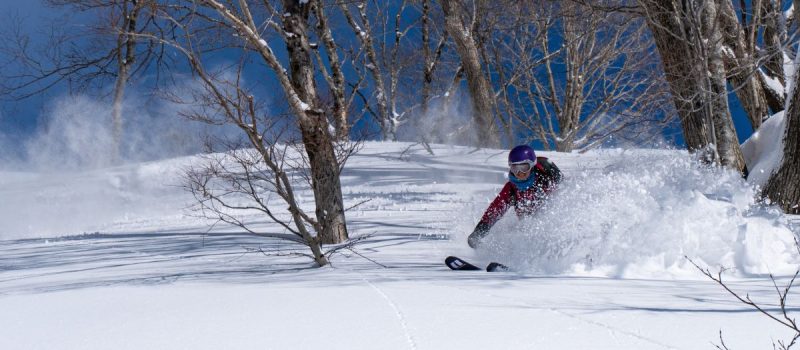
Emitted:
<point x="521" y="153"/>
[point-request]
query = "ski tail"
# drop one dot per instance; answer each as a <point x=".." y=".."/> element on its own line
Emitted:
<point x="456" y="263"/>
<point x="496" y="267"/>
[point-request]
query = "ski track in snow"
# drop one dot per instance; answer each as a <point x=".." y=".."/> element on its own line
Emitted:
<point x="613" y="330"/>
<point x="399" y="313"/>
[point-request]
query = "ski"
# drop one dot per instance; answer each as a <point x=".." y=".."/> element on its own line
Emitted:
<point x="496" y="267"/>
<point x="456" y="263"/>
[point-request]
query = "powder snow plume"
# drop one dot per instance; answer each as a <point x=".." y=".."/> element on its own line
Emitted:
<point x="640" y="215"/>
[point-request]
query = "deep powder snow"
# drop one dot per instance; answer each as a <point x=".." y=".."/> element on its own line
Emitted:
<point x="640" y="215"/>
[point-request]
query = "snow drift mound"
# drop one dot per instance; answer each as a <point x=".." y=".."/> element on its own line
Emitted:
<point x="641" y="215"/>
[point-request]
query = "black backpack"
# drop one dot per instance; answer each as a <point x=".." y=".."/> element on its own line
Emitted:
<point x="549" y="172"/>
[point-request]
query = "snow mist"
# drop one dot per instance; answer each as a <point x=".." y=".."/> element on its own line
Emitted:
<point x="640" y="215"/>
<point x="75" y="134"/>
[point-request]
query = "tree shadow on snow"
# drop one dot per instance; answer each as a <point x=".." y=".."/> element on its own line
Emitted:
<point x="101" y="260"/>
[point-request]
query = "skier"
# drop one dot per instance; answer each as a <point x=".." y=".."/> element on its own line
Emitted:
<point x="530" y="180"/>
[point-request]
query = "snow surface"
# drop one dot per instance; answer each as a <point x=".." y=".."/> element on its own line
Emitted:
<point x="763" y="151"/>
<point x="115" y="258"/>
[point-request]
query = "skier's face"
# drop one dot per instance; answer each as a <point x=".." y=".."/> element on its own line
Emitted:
<point x="523" y="175"/>
<point x="521" y="170"/>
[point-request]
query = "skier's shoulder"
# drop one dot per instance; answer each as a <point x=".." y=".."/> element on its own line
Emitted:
<point x="544" y="160"/>
<point x="548" y="168"/>
<point x="545" y="164"/>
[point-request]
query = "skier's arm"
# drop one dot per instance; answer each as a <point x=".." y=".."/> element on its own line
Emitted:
<point x="493" y="214"/>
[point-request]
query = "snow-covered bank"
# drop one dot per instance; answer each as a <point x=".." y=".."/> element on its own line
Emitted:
<point x="601" y="267"/>
<point x="194" y="292"/>
<point x="618" y="214"/>
<point x="124" y="198"/>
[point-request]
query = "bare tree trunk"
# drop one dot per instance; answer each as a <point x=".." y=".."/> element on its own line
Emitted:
<point x="430" y="61"/>
<point x="569" y="115"/>
<point x="689" y="40"/>
<point x="116" y="112"/>
<point x="663" y="19"/>
<point x="427" y="70"/>
<point x="125" y="55"/>
<point x="783" y="186"/>
<point x="727" y="142"/>
<point x="743" y="72"/>
<point x="774" y="36"/>
<point x="314" y="127"/>
<point x="480" y="89"/>
<point x="364" y="35"/>
<point x="337" y="81"/>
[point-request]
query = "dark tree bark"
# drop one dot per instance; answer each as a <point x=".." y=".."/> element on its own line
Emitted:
<point x="689" y="41"/>
<point x="774" y="35"/>
<point x="663" y="21"/>
<point x="783" y="187"/>
<point x="480" y="89"/>
<point x="725" y="139"/>
<point x="314" y="127"/>
<point x="336" y="79"/>
<point x="747" y="82"/>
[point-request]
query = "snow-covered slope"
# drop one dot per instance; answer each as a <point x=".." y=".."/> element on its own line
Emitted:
<point x="112" y="258"/>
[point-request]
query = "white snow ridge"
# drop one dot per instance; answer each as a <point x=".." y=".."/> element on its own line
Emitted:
<point x="113" y="259"/>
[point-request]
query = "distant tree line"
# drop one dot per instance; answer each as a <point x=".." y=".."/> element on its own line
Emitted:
<point x="562" y="75"/>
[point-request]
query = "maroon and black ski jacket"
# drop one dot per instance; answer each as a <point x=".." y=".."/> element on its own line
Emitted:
<point x="524" y="202"/>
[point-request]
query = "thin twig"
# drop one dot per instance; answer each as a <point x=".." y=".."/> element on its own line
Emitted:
<point x="365" y="257"/>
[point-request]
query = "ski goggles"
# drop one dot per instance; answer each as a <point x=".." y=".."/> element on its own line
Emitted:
<point x="522" y="167"/>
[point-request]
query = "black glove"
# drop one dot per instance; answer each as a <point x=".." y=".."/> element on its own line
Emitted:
<point x="477" y="234"/>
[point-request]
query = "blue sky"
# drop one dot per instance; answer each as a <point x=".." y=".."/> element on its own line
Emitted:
<point x="18" y="119"/>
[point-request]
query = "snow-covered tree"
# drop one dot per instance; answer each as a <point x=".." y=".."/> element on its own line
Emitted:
<point x="783" y="186"/>
<point x="572" y="77"/>
<point x="225" y="99"/>
<point x="690" y="43"/>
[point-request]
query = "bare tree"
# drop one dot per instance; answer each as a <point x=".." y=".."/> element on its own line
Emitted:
<point x="205" y="20"/>
<point x="229" y="185"/>
<point x="433" y="65"/>
<point x="430" y="57"/>
<point x="775" y="38"/>
<point x="460" y="23"/>
<point x="364" y="33"/>
<point x="126" y="57"/>
<point x="335" y="79"/>
<point x="105" y="50"/>
<point x="690" y="42"/>
<point x="740" y="64"/>
<point x="782" y="316"/>
<point x="783" y="186"/>
<point x="385" y="60"/>
<point x="573" y="77"/>
<point x="224" y="183"/>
